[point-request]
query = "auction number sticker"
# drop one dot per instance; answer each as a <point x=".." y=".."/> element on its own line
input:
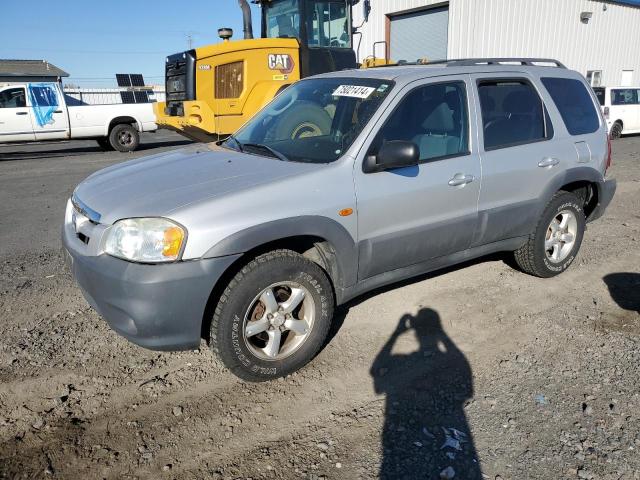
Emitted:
<point x="356" y="91"/>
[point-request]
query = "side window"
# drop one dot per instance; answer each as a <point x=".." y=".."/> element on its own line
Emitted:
<point x="624" y="96"/>
<point x="13" y="98"/>
<point x="574" y="103"/>
<point x="434" y="117"/>
<point x="512" y="114"/>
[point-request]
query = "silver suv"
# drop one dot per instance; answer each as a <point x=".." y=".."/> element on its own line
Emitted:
<point x="343" y="183"/>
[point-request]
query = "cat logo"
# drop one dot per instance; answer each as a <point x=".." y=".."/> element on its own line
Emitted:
<point x="280" y="61"/>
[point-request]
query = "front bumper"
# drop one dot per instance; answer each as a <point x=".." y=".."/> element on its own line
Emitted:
<point x="160" y="307"/>
<point x="606" y="191"/>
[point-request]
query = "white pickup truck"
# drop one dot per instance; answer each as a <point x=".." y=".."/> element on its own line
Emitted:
<point x="38" y="111"/>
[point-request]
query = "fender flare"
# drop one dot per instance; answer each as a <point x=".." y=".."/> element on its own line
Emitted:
<point x="135" y="121"/>
<point x="577" y="174"/>
<point x="346" y="251"/>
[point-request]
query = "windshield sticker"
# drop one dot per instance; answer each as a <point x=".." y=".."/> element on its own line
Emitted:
<point x="356" y="91"/>
<point x="382" y="88"/>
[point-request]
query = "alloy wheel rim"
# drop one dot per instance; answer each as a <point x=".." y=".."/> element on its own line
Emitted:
<point x="125" y="138"/>
<point x="561" y="236"/>
<point x="279" y="321"/>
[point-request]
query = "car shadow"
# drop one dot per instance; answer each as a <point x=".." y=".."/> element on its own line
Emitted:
<point x="425" y="433"/>
<point x="624" y="288"/>
<point x="7" y="155"/>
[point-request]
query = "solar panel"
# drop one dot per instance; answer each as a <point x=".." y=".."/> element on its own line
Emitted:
<point x="142" y="96"/>
<point x="127" y="97"/>
<point x="137" y="80"/>
<point x="123" y="79"/>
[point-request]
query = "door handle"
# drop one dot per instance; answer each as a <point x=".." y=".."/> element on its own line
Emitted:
<point x="22" y="113"/>
<point x="461" y="179"/>
<point x="57" y="111"/>
<point x="548" y="162"/>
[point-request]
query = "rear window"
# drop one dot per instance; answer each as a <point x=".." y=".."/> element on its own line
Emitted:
<point x="574" y="103"/>
<point x="512" y="114"/>
<point x="600" y="94"/>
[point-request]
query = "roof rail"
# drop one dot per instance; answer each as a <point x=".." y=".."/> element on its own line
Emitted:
<point x="466" y="62"/>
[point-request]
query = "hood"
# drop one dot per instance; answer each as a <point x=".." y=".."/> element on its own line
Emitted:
<point x="159" y="184"/>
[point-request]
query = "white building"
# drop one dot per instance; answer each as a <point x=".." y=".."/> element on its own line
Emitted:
<point x="600" y="39"/>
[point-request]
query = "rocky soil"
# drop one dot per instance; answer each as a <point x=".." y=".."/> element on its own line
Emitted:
<point x="478" y="371"/>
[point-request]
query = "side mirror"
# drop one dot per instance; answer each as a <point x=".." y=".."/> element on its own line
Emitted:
<point x="366" y="10"/>
<point x="392" y="154"/>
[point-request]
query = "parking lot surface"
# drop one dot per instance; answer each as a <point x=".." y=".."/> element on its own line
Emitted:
<point x="477" y="371"/>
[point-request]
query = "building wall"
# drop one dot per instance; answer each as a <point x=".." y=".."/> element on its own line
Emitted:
<point x="531" y="28"/>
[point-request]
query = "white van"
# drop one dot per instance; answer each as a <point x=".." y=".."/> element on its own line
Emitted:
<point x="621" y="108"/>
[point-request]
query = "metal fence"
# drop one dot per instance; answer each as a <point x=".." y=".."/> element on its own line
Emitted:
<point x="108" y="96"/>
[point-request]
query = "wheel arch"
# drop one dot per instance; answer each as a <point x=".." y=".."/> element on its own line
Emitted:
<point x="123" y="120"/>
<point x="322" y="240"/>
<point x="584" y="182"/>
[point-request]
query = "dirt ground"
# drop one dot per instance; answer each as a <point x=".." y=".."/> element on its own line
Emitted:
<point x="478" y="371"/>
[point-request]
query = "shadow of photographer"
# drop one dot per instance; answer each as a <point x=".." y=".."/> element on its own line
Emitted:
<point x="425" y="434"/>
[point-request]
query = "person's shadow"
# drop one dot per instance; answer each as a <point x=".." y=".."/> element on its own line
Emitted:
<point x="425" y="433"/>
<point x="624" y="288"/>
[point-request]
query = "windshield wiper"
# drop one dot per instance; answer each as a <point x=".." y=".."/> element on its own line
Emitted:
<point x="262" y="146"/>
<point x="231" y="137"/>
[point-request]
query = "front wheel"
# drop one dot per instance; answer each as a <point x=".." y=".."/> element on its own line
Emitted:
<point x="273" y="317"/>
<point x="557" y="238"/>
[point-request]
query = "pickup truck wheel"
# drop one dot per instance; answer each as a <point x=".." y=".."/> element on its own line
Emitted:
<point x="273" y="317"/>
<point x="557" y="238"/>
<point x="104" y="144"/>
<point x="124" y="138"/>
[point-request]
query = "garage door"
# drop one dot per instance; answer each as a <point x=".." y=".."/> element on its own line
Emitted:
<point x="421" y="34"/>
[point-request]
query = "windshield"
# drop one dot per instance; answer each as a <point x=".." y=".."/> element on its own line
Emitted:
<point x="314" y="120"/>
<point x="283" y="19"/>
<point x="328" y="24"/>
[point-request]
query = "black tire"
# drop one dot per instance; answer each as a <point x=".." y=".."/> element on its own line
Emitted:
<point x="104" y="144"/>
<point x="616" y="131"/>
<point x="532" y="257"/>
<point x="303" y="120"/>
<point x="124" y="138"/>
<point x="228" y="324"/>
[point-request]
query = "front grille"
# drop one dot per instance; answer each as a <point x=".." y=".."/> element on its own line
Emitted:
<point x="229" y="80"/>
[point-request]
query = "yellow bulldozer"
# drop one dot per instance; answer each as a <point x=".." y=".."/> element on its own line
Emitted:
<point x="212" y="90"/>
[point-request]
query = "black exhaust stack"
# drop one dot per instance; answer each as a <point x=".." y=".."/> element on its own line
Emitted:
<point x="246" y="19"/>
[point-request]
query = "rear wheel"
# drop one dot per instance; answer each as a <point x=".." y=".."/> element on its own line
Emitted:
<point x="616" y="131"/>
<point x="124" y="138"/>
<point x="273" y="317"/>
<point x="557" y="238"/>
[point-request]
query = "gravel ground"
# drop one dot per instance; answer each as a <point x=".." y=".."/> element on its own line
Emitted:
<point x="478" y="371"/>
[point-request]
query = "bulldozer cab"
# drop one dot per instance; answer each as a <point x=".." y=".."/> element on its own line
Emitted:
<point x="323" y="29"/>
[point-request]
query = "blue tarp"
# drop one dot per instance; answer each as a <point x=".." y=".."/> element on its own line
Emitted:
<point x="44" y="101"/>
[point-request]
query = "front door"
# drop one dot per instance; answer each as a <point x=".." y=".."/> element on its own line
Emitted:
<point x="411" y="215"/>
<point x="50" y="120"/>
<point x="15" y="116"/>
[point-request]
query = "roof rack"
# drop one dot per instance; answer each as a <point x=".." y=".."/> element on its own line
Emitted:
<point x="468" y="62"/>
<point x="531" y="62"/>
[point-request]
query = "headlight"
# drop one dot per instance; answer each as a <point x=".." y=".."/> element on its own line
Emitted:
<point x="149" y="240"/>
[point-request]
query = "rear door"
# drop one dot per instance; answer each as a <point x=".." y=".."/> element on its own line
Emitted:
<point x="410" y="215"/>
<point x="15" y="116"/>
<point x="518" y="157"/>
<point x="50" y="119"/>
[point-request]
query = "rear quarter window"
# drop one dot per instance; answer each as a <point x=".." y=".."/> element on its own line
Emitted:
<point x="574" y="104"/>
<point x="600" y="95"/>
